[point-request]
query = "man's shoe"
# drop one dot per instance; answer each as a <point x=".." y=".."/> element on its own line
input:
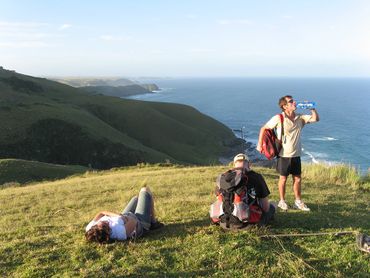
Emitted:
<point x="301" y="206"/>
<point x="283" y="205"/>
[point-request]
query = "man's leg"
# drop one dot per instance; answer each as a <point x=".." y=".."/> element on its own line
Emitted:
<point x="267" y="215"/>
<point x="282" y="187"/>
<point x="296" y="170"/>
<point x="265" y="204"/>
<point x="298" y="204"/>
<point x="282" y="182"/>
<point x="297" y="186"/>
<point x="283" y="168"/>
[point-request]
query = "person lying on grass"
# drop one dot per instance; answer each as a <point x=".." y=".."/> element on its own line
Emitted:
<point x="137" y="217"/>
<point x="242" y="197"/>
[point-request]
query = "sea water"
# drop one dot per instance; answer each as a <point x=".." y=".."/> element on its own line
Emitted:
<point x="341" y="136"/>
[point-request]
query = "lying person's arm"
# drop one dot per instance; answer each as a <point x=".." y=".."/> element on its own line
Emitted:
<point x="104" y="213"/>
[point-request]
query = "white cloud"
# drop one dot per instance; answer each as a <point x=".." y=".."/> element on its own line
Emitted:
<point x="65" y="26"/>
<point x="114" y="38"/>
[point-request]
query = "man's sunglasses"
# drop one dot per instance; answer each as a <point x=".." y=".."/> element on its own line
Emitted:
<point x="291" y="100"/>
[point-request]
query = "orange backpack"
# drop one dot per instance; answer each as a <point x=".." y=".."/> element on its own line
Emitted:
<point x="246" y="213"/>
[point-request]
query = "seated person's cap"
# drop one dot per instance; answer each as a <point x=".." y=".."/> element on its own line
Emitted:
<point x="241" y="156"/>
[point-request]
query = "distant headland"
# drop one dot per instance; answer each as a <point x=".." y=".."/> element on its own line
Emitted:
<point x="109" y="86"/>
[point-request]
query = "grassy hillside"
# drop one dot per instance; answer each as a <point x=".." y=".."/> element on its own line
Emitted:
<point x="42" y="228"/>
<point x="51" y="122"/>
<point x="15" y="172"/>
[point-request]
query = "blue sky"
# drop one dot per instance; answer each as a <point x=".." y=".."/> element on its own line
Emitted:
<point x="186" y="38"/>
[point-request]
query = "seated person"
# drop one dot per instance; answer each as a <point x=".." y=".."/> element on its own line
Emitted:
<point x="241" y="197"/>
<point x="137" y="217"/>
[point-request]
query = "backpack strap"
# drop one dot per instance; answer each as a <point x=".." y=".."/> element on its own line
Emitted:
<point x="228" y="206"/>
<point x="282" y="125"/>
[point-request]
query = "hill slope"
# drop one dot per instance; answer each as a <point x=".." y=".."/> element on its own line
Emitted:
<point x="17" y="171"/>
<point x="42" y="228"/>
<point x="51" y="122"/>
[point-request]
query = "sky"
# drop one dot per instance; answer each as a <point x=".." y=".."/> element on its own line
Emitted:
<point x="192" y="38"/>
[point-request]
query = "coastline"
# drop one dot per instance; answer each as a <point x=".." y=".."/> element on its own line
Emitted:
<point x="248" y="148"/>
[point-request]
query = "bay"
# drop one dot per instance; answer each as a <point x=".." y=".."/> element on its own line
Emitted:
<point x="341" y="136"/>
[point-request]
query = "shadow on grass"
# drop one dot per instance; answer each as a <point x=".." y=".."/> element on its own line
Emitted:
<point x="155" y="272"/>
<point x="9" y="260"/>
<point x="178" y="230"/>
<point x="330" y="216"/>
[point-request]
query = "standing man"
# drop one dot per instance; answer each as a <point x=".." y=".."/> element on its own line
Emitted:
<point x="289" y="160"/>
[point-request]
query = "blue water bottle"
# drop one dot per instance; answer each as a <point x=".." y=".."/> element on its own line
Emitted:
<point x="306" y="104"/>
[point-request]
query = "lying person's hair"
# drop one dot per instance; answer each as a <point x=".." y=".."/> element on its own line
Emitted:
<point x="98" y="234"/>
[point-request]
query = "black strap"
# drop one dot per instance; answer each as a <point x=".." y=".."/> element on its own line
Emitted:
<point x="228" y="206"/>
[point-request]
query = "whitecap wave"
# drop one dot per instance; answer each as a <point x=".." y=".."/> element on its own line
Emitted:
<point x="325" y="138"/>
<point x="313" y="159"/>
<point x="318" y="158"/>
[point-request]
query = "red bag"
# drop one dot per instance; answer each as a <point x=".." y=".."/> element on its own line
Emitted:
<point x="271" y="145"/>
<point x="255" y="214"/>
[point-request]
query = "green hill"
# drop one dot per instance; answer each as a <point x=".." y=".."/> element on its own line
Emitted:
<point x="47" y="121"/>
<point x="42" y="228"/>
<point x="17" y="171"/>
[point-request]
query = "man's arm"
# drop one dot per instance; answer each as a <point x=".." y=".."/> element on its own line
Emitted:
<point x="262" y="192"/>
<point x="259" y="145"/>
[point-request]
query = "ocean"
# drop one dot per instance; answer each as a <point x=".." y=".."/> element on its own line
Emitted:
<point x="341" y="136"/>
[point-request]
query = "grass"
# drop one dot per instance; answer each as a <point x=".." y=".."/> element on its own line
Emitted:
<point x="16" y="172"/>
<point x="42" y="229"/>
